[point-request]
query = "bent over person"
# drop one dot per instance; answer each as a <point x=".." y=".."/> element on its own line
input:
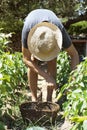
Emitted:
<point x="43" y="36"/>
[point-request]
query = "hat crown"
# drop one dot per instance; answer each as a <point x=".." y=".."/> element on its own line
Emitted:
<point x="45" y="41"/>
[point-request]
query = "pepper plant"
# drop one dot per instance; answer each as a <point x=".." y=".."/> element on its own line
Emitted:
<point x="63" y="68"/>
<point x="75" y="108"/>
<point x="13" y="79"/>
<point x="4" y="40"/>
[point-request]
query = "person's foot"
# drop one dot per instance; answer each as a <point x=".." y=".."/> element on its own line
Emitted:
<point x="39" y="97"/>
<point x="33" y="99"/>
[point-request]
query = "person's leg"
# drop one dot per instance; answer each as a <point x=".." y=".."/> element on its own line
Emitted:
<point x="51" y="69"/>
<point x="32" y="79"/>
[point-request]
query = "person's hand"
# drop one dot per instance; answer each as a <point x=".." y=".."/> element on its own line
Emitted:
<point x="51" y="82"/>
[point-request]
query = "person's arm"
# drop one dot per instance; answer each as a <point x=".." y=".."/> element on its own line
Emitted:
<point x="74" y="56"/>
<point x="31" y="64"/>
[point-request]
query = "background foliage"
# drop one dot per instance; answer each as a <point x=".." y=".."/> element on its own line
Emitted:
<point x="12" y="13"/>
<point x="78" y="28"/>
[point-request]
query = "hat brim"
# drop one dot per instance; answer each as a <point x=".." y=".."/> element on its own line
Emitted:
<point x="53" y="54"/>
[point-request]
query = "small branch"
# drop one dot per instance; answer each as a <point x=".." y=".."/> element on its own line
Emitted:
<point x="71" y="21"/>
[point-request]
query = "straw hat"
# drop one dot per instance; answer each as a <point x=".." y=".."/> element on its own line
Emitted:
<point x="45" y="41"/>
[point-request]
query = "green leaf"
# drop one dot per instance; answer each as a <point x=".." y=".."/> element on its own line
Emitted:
<point x="78" y="118"/>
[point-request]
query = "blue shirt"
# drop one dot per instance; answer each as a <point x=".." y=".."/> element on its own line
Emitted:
<point x="38" y="16"/>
